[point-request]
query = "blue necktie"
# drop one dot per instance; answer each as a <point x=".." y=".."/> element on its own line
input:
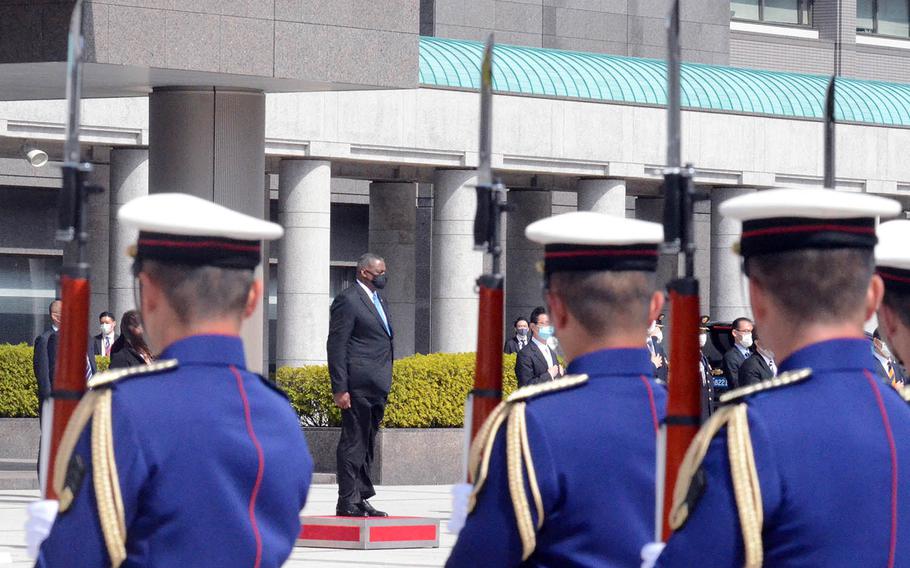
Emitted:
<point x="378" y="305"/>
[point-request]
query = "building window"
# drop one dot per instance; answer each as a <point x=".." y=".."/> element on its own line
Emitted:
<point x="27" y="287"/>
<point x="794" y="12"/>
<point x="885" y="17"/>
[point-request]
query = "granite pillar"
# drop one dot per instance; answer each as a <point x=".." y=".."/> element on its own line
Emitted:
<point x="129" y="180"/>
<point x="304" y="205"/>
<point x="729" y="295"/>
<point x="393" y="223"/>
<point x="523" y="280"/>
<point x="456" y="265"/>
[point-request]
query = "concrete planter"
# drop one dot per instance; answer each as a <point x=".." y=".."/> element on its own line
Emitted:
<point x="403" y="456"/>
<point x="20" y="438"/>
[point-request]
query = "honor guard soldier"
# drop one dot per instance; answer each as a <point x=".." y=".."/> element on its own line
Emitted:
<point x="802" y="469"/>
<point x="564" y="471"/>
<point x="192" y="460"/>
<point x="892" y="263"/>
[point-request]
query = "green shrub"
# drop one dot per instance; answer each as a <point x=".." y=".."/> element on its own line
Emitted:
<point x="428" y="391"/>
<point x="18" y="385"/>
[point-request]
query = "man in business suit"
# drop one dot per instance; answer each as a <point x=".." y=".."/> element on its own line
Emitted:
<point x="102" y="343"/>
<point x="360" y="366"/>
<point x="45" y="354"/>
<point x="537" y="362"/>
<point x="659" y="359"/>
<point x="887" y="369"/>
<point x="736" y="355"/>
<point x="759" y="366"/>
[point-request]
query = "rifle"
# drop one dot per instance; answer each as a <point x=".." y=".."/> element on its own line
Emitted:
<point x="70" y="371"/>
<point x="491" y="204"/>
<point x="684" y="398"/>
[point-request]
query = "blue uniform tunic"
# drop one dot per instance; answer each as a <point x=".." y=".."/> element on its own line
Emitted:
<point x="213" y="468"/>
<point x="829" y="451"/>
<point x="593" y="448"/>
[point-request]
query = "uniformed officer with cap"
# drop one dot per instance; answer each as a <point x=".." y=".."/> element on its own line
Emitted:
<point x="564" y="471"/>
<point x="192" y="460"/>
<point x="802" y="469"/>
<point x="892" y="263"/>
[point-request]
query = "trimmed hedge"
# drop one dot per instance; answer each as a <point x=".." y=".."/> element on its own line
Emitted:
<point x="18" y="385"/>
<point x="428" y="391"/>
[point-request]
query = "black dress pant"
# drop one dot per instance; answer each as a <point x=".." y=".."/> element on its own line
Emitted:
<point x="359" y="425"/>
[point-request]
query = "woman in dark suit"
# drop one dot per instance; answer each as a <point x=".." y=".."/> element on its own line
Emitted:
<point x="130" y="349"/>
<point x="520" y="337"/>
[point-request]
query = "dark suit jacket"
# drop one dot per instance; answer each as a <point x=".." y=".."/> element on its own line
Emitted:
<point x="511" y="346"/>
<point x="43" y="362"/>
<point x="733" y="360"/>
<point x="754" y="370"/>
<point x="531" y="367"/>
<point x="359" y="348"/>
<point x="98" y="345"/>
<point x="899" y="374"/>
<point x="660" y="373"/>
<point x="122" y="355"/>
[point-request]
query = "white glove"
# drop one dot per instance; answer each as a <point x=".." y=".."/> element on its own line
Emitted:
<point x="649" y="554"/>
<point x="461" y="492"/>
<point x="41" y="516"/>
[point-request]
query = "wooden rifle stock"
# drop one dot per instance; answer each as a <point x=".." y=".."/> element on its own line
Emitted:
<point x="684" y="398"/>
<point x="70" y="367"/>
<point x="487" y="391"/>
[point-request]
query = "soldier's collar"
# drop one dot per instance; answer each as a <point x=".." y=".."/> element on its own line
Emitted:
<point x="841" y="354"/>
<point x="624" y="361"/>
<point x="207" y="350"/>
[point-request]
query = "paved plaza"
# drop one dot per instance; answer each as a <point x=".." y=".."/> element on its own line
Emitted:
<point x="417" y="500"/>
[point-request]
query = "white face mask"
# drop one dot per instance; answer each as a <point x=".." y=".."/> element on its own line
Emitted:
<point x="702" y="340"/>
<point x="746" y="340"/>
<point x="107" y="328"/>
<point x="885" y="351"/>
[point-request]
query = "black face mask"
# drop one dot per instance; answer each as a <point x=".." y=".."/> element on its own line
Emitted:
<point x="380" y="281"/>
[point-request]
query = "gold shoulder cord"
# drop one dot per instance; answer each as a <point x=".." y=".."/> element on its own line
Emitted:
<point x="746" y="489"/>
<point x="519" y="462"/>
<point x="96" y="405"/>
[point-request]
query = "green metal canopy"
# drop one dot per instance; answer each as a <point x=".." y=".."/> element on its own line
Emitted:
<point x="449" y="63"/>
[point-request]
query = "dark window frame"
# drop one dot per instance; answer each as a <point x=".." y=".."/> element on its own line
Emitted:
<point x="875" y="31"/>
<point x="805" y="9"/>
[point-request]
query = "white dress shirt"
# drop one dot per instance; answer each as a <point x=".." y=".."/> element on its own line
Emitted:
<point x="547" y="354"/>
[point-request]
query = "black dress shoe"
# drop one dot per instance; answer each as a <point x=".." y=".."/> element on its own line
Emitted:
<point x="369" y="511"/>
<point x="348" y="510"/>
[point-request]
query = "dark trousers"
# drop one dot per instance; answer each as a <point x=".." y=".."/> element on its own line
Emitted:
<point x="359" y="425"/>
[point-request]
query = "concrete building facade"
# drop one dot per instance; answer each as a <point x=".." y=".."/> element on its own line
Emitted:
<point x="314" y="114"/>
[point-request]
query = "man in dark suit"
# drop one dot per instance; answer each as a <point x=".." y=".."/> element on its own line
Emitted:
<point x="360" y="366"/>
<point x="887" y="369"/>
<point x="45" y="354"/>
<point x="519" y="339"/>
<point x="102" y="343"/>
<point x="659" y="359"/>
<point x="734" y="357"/>
<point x="537" y="362"/>
<point x="759" y="366"/>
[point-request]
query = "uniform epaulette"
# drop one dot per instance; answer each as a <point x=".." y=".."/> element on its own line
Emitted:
<point x="520" y="465"/>
<point x="904" y="391"/>
<point x="109" y="377"/>
<point x="531" y="391"/>
<point x="784" y="379"/>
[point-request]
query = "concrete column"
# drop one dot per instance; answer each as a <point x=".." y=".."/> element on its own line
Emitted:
<point x="728" y="289"/>
<point x="211" y="143"/>
<point x="602" y="196"/>
<point x="652" y="209"/>
<point x="393" y="224"/>
<point x="98" y="249"/>
<point x="523" y="281"/>
<point x="456" y="265"/>
<point x="304" y="205"/>
<point x="423" y="255"/>
<point x="129" y="180"/>
<point x="702" y="220"/>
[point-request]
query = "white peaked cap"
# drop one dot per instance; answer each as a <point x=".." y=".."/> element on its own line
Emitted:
<point x="893" y="249"/>
<point x="589" y="228"/>
<point x="807" y="203"/>
<point x="188" y="215"/>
